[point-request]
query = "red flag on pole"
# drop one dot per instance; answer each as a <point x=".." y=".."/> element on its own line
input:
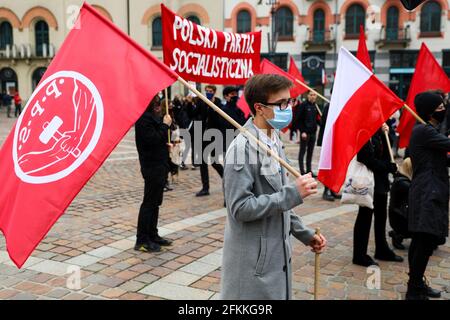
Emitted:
<point x="266" y="67"/>
<point x="95" y="89"/>
<point x="428" y="75"/>
<point x="298" y="89"/>
<point x="360" y="104"/>
<point x="363" y="54"/>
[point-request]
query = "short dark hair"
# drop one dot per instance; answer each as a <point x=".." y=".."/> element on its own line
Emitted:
<point x="259" y="87"/>
<point x="212" y="87"/>
<point x="228" y="90"/>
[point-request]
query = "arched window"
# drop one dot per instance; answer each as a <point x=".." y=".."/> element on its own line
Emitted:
<point x="319" y="26"/>
<point x="392" y="23"/>
<point x="354" y="17"/>
<point x="244" y="21"/>
<point x="37" y="76"/>
<point x="42" y="37"/>
<point x="194" y="19"/>
<point x="6" y="34"/>
<point x="157" y="32"/>
<point x="430" y="17"/>
<point x="284" y="22"/>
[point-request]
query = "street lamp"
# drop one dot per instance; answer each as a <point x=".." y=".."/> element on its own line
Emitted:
<point x="272" y="38"/>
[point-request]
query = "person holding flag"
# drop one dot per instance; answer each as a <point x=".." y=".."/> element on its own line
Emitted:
<point x="429" y="192"/>
<point x="259" y="199"/>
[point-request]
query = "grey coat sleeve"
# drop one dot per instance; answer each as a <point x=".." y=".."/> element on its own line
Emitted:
<point x="300" y="231"/>
<point x="242" y="203"/>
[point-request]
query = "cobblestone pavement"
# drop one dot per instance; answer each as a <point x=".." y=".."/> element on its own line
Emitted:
<point x="96" y="235"/>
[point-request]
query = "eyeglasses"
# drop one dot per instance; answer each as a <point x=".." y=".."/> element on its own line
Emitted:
<point x="283" y="105"/>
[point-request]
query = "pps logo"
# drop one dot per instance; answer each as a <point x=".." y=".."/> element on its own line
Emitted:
<point x="58" y="129"/>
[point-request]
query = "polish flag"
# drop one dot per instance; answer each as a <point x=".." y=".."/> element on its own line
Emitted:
<point x="360" y="104"/>
<point x="428" y="75"/>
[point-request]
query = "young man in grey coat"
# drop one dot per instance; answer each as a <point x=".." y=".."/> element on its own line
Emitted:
<point x="257" y="248"/>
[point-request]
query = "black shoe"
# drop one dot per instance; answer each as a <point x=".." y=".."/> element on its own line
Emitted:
<point x="396" y="240"/>
<point x="416" y="292"/>
<point x="147" y="247"/>
<point x="161" y="241"/>
<point x="365" y="261"/>
<point x="183" y="167"/>
<point x="429" y="291"/>
<point x="388" y="256"/>
<point x="167" y="188"/>
<point x="327" y="196"/>
<point x="202" y="193"/>
<point x="335" y="195"/>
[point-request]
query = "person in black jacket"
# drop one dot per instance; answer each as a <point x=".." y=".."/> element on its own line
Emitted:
<point x="429" y="192"/>
<point x="375" y="156"/>
<point x="230" y="94"/>
<point x="200" y="111"/>
<point x="399" y="203"/>
<point x="307" y="120"/>
<point x="152" y="146"/>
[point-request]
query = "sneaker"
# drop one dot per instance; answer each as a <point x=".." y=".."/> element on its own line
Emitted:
<point x="202" y="193"/>
<point x="148" y="247"/>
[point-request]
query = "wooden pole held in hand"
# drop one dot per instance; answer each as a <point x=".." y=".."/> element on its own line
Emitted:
<point x="388" y="142"/>
<point x="316" y="270"/>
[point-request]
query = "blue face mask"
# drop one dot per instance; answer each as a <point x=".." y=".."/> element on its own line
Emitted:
<point x="209" y="95"/>
<point x="281" y="119"/>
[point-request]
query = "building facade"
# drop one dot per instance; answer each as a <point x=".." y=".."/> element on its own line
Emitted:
<point x="312" y="31"/>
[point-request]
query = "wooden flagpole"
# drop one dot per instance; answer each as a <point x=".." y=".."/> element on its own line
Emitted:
<point x="167" y="112"/>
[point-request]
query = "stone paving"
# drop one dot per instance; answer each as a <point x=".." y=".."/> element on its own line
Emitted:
<point x="95" y="239"/>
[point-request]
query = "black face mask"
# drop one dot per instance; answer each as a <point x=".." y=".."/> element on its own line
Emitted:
<point x="234" y="99"/>
<point x="439" y="116"/>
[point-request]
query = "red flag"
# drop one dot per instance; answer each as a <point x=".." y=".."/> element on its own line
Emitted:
<point x="298" y="89"/>
<point x="206" y="55"/>
<point x="360" y="104"/>
<point x="428" y="75"/>
<point x="266" y="67"/>
<point x="95" y="89"/>
<point x="363" y="54"/>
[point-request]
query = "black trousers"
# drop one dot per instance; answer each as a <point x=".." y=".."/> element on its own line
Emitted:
<point x="306" y="147"/>
<point x="420" y="251"/>
<point x="361" y="231"/>
<point x="147" y="228"/>
<point x="18" y="110"/>
<point x="204" y="168"/>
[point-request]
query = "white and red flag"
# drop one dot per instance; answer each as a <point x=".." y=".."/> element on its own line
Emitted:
<point x="360" y="104"/>
<point x="95" y="89"/>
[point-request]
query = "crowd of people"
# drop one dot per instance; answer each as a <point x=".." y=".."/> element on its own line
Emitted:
<point x="7" y="99"/>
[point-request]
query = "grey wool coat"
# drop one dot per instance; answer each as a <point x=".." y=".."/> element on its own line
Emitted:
<point x="257" y="248"/>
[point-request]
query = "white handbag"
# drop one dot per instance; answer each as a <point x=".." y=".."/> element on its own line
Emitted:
<point x="359" y="185"/>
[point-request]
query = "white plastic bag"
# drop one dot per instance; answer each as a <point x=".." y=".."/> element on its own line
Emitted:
<point x="359" y="185"/>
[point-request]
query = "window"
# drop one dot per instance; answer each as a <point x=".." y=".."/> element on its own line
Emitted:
<point x="319" y="26"/>
<point x="354" y="17"/>
<point x="403" y="59"/>
<point x="42" y="38"/>
<point x="157" y="32"/>
<point x="8" y="80"/>
<point x="37" y="76"/>
<point x="244" y="22"/>
<point x="278" y="59"/>
<point x="430" y="17"/>
<point x="312" y="65"/>
<point x="392" y="23"/>
<point x="284" y="23"/>
<point x="194" y="19"/>
<point x="6" y="35"/>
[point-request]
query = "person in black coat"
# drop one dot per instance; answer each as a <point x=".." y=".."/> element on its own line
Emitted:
<point x="151" y="143"/>
<point x="307" y="121"/>
<point x="230" y="94"/>
<point x="200" y="111"/>
<point x="399" y="204"/>
<point x="429" y="192"/>
<point x="375" y="156"/>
